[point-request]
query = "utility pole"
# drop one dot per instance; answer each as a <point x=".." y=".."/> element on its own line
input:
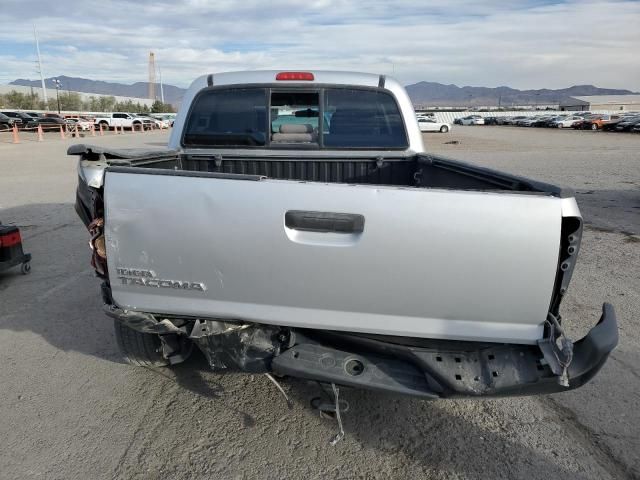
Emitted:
<point x="57" y="84"/>
<point x="44" y="89"/>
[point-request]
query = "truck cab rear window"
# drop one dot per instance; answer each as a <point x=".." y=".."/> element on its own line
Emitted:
<point x="295" y="117"/>
<point x="362" y="119"/>
<point x="234" y="117"/>
<point x="353" y="118"/>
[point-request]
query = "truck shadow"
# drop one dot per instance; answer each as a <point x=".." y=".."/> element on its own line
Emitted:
<point x="466" y="436"/>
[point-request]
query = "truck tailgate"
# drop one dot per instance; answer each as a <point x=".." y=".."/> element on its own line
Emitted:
<point x="400" y="261"/>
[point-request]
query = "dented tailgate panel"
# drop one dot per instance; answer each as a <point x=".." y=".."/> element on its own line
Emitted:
<point x="425" y="262"/>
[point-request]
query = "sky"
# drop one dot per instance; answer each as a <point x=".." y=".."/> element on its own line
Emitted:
<point x="522" y="43"/>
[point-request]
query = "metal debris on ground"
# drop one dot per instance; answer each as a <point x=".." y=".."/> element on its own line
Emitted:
<point x="279" y="387"/>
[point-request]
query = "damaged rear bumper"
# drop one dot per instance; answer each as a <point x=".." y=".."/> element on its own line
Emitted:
<point x="423" y="368"/>
<point x="448" y="369"/>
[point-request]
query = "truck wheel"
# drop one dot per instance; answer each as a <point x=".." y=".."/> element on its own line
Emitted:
<point x="105" y="126"/>
<point x="444" y="129"/>
<point x="594" y="126"/>
<point x="140" y="349"/>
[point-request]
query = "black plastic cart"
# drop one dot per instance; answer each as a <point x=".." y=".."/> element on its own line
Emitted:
<point x="11" y="253"/>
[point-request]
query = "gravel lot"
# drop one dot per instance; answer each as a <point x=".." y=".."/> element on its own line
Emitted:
<point x="69" y="407"/>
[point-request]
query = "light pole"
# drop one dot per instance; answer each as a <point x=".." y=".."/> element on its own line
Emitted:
<point x="57" y="83"/>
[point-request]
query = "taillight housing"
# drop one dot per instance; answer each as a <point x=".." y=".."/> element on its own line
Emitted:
<point x="295" y="76"/>
<point x="10" y="239"/>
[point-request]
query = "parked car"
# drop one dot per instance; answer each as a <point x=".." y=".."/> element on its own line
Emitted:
<point x="431" y="125"/>
<point x="611" y="125"/>
<point x="527" y="122"/>
<point x="578" y="125"/>
<point x="472" y="120"/>
<point x="627" y="124"/>
<point x="598" y="121"/>
<point x="545" y="120"/>
<point x="122" y="119"/>
<point x="514" y="120"/>
<point x="289" y="279"/>
<point x="151" y="121"/>
<point x="84" y="125"/>
<point x="166" y="121"/>
<point x="565" y="122"/>
<point x="167" y="117"/>
<point x="21" y="116"/>
<point x="49" y="123"/>
<point x="7" y="122"/>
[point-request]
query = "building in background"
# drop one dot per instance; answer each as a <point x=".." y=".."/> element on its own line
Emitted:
<point x="602" y="102"/>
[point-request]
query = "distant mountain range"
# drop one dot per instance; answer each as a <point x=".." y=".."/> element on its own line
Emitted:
<point x="172" y="94"/>
<point x="437" y="94"/>
<point x="421" y="93"/>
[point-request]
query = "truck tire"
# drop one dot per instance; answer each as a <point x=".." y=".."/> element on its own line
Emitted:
<point x="105" y="125"/>
<point x="140" y="349"/>
<point x="444" y="129"/>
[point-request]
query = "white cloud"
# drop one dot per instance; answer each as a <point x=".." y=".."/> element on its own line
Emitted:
<point x="525" y="44"/>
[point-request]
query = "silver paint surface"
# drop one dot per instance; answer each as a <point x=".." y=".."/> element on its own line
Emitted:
<point x="430" y="263"/>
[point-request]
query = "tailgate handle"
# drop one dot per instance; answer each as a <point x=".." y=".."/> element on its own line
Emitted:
<point x="324" y="222"/>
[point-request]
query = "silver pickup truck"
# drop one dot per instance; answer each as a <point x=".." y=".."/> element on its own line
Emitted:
<point x="296" y="226"/>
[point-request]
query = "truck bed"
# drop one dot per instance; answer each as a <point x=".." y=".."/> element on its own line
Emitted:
<point x="363" y="243"/>
<point x="421" y="170"/>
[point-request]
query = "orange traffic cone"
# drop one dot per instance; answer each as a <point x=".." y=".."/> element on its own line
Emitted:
<point x="75" y="133"/>
<point x="93" y="130"/>
<point x="40" y="136"/>
<point x="62" y="133"/>
<point x="115" y="129"/>
<point x="16" y="138"/>
<point x="101" y="132"/>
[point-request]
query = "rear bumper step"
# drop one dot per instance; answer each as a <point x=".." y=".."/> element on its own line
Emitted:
<point x="452" y="370"/>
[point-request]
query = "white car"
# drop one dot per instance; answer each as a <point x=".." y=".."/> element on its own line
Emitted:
<point x="431" y="125"/>
<point x="152" y="120"/>
<point x="83" y="125"/>
<point x="566" y="122"/>
<point x="472" y="120"/>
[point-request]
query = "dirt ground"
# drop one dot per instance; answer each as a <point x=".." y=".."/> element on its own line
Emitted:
<point x="71" y="409"/>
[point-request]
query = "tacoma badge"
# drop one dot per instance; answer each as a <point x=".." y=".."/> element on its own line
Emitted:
<point x="148" y="278"/>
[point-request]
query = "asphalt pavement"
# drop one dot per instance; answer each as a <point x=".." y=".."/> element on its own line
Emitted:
<point x="71" y="409"/>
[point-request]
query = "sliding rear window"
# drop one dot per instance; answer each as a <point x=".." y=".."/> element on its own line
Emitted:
<point x="321" y="117"/>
